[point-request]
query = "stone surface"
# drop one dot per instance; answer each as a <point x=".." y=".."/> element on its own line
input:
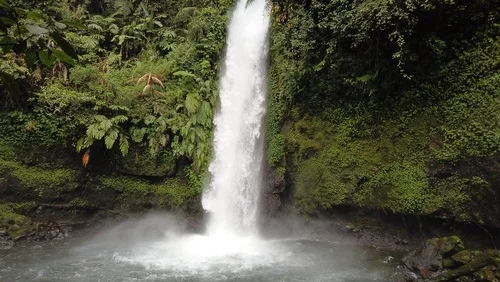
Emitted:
<point x="446" y="259"/>
<point x="479" y="261"/>
<point x="463" y="257"/>
<point x="425" y="261"/>
<point x="274" y="186"/>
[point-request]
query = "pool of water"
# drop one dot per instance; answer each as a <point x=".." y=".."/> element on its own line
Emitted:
<point x="155" y="252"/>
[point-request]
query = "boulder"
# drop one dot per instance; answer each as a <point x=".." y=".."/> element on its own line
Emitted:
<point x="425" y="261"/>
<point x="479" y="261"/>
<point x="462" y="257"/>
<point x="446" y="259"/>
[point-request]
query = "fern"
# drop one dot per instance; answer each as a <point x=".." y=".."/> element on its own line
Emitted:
<point x="192" y="102"/>
<point x="124" y="145"/>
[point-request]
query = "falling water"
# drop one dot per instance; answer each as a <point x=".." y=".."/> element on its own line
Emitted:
<point x="233" y="193"/>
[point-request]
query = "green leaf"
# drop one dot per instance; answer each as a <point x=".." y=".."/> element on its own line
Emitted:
<point x="36" y="15"/>
<point x="149" y="120"/>
<point x="62" y="56"/>
<point x="191" y="102"/>
<point x="83" y="143"/>
<point x="74" y="24"/>
<point x="106" y="124"/>
<point x="35" y="29"/>
<point x="46" y="58"/>
<point x="30" y="58"/>
<point x="137" y="134"/>
<point x="124" y="145"/>
<point x="163" y="139"/>
<point x="110" y="138"/>
<point x="59" y="25"/>
<point x="7" y="21"/>
<point x="119" y="119"/>
<point x="65" y="45"/>
<point x="364" y="78"/>
<point x="183" y="74"/>
<point x="5" y="5"/>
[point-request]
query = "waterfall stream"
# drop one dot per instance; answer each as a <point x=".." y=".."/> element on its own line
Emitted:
<point x="233" y="193"/>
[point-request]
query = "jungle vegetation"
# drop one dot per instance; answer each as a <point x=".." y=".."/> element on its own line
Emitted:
<point x="385" y="104"/>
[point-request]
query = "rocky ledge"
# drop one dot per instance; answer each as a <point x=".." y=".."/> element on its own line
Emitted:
<point x="447" y="259"/>
<point x="41" y="231"/>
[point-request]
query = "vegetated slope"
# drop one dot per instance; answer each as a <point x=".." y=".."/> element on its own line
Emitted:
<point x="390" y="105"/>
<point x="106" y="105"/>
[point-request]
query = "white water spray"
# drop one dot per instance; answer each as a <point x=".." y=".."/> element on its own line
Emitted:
<point x="233" y="193"/>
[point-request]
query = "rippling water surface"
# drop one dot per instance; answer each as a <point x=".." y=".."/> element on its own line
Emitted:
<point x="139" y="251"/>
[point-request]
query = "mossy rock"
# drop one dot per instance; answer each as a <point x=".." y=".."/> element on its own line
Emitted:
<point x="448" y="263"/>
<point x="14" y="224"/>
<point x="463" y="257"/>
<point x="140" y="162"/>
<point x="135" y="192"/>
<point x="478" y="262"/>
<point x="488" y="273"/>
<point x="427" y="260"/>
<point x="447" y="245"/>
<point x="32" y="177"/>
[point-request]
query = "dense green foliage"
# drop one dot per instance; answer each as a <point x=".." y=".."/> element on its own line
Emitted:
<point x="129" y="87"/>
<point x="375" y="99"/>
<point x="144" y="75"/>
<point x="375" y="103"/>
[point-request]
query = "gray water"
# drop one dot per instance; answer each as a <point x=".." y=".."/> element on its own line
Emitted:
<point x="153" y="249"/>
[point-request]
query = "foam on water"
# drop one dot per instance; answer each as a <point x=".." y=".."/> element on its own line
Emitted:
<point x="190" y="255"/>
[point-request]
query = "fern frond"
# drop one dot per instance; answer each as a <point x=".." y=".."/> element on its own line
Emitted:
<point x="119" y="119"/>
<point x="110" y="138"/>
<point x="124" y="145"/>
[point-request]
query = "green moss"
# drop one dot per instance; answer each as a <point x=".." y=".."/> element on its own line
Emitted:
<point x="463" y="257"/>
<point x="339" y="159"/>
<point x="341" y="162"/>
<point x="35" y="177"/>
<point x="454" y="194"/>
<point x="79" y="203"/>
<point x="7" y="151"/>
<point x="172" y="191"/>
<point x="276" y="150"/>
<point x="401" y="187"/>
<point x="14" y="223"/>
<point x="23" y="207"/>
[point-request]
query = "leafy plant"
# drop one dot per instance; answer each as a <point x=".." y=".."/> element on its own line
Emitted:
<point x="107" y="129"/>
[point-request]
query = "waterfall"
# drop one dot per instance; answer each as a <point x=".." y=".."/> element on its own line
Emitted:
<point x="232" y="195"/>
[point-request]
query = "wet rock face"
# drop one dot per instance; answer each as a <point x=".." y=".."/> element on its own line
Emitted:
<point x="446" y="259"/>
<point x="274" y="185"/>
